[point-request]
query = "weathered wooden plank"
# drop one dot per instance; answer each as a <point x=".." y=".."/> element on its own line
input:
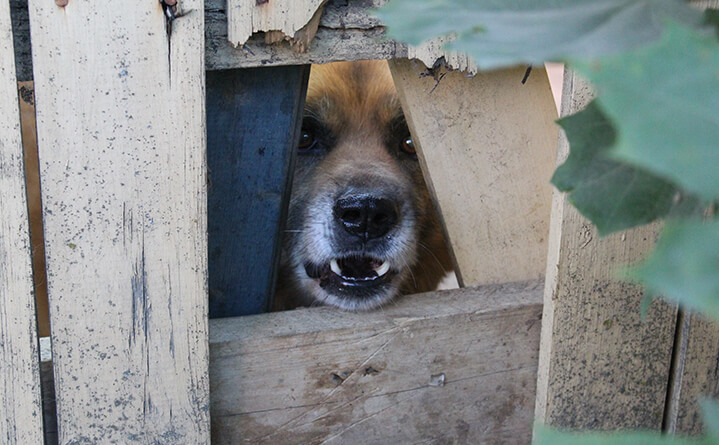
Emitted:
<point x="253" y="122"/>
<point x="696" y="373"/>
<point x="346" y="31"/>
<point x="601" y="366"/>
<point x="486" y="145"/>
<point x="120" y="117"/>
<point x="444" y="367"/>
<point x="20" y="408"/>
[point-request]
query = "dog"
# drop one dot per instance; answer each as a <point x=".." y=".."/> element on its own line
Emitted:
<point x="361" y="227"/>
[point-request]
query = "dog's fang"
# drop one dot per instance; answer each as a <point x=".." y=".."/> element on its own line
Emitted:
<point x="335" y="267"/>
<point x="383" y="269"/>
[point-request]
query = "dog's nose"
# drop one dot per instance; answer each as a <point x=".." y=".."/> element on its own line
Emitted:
<point x="365" y="216"/>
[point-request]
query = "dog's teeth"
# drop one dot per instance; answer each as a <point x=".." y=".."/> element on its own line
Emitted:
<point x="383" y="269"/>
<point x="335" y="267"/>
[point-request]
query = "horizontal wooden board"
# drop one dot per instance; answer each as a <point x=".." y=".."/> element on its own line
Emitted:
<point x="346" y="32"/>
<point x="443" y="367"/>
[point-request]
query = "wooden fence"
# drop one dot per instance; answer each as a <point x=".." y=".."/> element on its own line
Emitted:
<point x="133" y="109"/>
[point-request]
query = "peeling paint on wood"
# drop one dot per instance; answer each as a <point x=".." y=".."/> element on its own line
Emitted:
<point x="20" y="408"/>
<point x="443" y="367"/>
<point x="121" y="135"/>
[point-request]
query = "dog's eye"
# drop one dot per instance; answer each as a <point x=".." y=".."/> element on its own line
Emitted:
<point x="407" y="146"/>
<point x="307" y="140"/>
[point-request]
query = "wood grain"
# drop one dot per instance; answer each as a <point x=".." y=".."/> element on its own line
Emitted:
<point x="254" y="117"/>
<point x="20" y="408"/>
<point x="601" y="366"/>
<point x="486" y="145"/>
<point x="444" y="367"/>
<point x="121" y="135"/>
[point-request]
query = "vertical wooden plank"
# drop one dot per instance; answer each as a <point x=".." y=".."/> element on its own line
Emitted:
<point x="253" y="122"/>
<point x="121" y="135"/>
<point x="600" y="366"/>
<point x="696" y="373"/>
<point x="20" y="408"/>
<point x="486" y="145"/>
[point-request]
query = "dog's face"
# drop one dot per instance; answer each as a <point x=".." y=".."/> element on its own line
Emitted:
<point x="360" y="221"/>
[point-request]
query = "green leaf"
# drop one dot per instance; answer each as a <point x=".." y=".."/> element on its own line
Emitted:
<point x="684" y="266"/>
<point x="664" y="101"/>
<point x="503" y="33"/>
<point x="546" y="436"/>
<point x="710" y="414"/>
<point x="613" y="195"/>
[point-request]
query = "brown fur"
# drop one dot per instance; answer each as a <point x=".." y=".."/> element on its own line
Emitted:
<point x="362" y="129"/>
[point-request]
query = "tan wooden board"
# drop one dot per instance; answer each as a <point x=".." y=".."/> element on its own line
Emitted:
<point x="487" y="147"/>
<point x="121" y="136"/>
<point x="20" y="408"/>
<point x="444" y="367"/>
<point x="601" y="366"/>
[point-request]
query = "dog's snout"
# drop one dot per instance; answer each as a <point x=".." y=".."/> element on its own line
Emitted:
<point x="366" y="217"/>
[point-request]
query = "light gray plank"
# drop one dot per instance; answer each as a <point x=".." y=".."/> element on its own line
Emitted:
<point x="601" y="366"/>
<point x="20" y="409"/>
<point x="121" y="135"/>
<point x="324" y="376"/>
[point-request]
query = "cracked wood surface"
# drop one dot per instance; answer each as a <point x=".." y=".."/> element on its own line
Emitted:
<point x="601" y="366"/>
<point x="20" y="408"/>
<point x="487" y="147"/>
<point x="121" y="138"/>
<point x="321" y="375"/>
